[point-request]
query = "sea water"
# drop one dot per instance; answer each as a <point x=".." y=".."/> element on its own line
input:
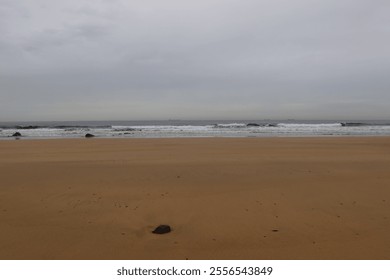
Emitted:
<point x="182" y="128"/>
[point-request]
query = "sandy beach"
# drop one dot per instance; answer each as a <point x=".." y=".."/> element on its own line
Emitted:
<point x="225" y="198"/>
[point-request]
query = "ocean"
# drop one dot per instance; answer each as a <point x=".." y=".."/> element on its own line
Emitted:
<point x="182" y="128"/>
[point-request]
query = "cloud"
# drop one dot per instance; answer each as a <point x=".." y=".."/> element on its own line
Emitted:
<point x="247" y="59"/>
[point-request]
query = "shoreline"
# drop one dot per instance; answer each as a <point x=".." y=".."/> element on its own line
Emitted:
<point x="225" y="198"/>
<point x="11" y="138"/>
<point x="207" y="128"/>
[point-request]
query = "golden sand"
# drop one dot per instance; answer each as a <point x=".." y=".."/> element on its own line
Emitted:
<point x="225" y="198"/>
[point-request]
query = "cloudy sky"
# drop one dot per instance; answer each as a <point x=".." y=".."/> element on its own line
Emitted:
<point x="204" y="59"/>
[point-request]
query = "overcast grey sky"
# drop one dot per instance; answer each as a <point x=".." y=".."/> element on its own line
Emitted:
<point x="204" y="59"/>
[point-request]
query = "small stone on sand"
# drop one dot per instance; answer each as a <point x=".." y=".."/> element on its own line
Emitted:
<point x="161" y="229"/>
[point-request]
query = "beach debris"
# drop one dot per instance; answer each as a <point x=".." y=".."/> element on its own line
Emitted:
<point x="89" y="135"/>
<point x="16" y="134"/>
<point x="275" y="230"/>
<point x="161" y="229"/>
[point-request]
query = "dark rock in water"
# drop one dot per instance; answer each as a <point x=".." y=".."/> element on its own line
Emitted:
<point x="252" y="124"/>
<point x="161" y="229"/>
<point x="272" y="125"/>
<point x="89" y="135"/>
<point x="17" y="134"/>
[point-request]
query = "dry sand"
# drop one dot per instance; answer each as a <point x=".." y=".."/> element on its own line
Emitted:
<point x="247" y="198"/>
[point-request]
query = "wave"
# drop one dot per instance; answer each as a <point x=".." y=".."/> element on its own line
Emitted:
<point x="308" y="125"/>
<point x="230" y="125"/>
<point x="28" y="127"/>
<point x="124" y="128"/>
<point x="353" y="124"/>
<point x="79" y="126"/>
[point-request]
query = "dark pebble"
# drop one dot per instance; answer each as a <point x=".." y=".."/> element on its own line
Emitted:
<point x="161" y="229"/>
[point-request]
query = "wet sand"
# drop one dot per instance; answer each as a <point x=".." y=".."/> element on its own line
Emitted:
<point x="225" y="198"/>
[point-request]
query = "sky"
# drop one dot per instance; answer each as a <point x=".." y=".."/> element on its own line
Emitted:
<point x="205" y="59"/>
